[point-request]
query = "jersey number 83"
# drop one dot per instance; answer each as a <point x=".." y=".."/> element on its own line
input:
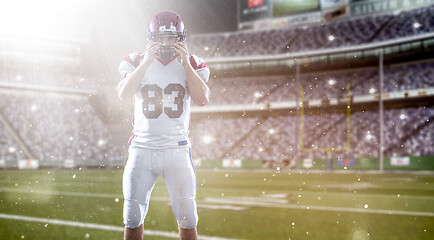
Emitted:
<point x="152" y="95"/>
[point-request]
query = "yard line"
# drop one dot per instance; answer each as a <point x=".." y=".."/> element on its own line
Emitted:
<point x="75" y="194"/>
<point x="321" y="208"/>
<point x="348" y="194"/>
<point x="221" y="207"/>
<point x="367" y="195"/>
<point x="98" y="226"/>
<point x="261" y="199"/>
<point x="237" y="201"/>
<point x="102" y="195"/>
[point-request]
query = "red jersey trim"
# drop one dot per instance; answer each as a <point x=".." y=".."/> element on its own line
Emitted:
<point x="134" y="109"/>
<point x="194" y="64"/>
<point x="131" y="139"/>
<point x="202" y="65"/>
<point x="136" y="61"/>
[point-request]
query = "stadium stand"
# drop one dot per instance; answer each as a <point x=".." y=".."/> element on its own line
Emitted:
<point x="45" y="93"/>
<point x="215" y="137"/>
<point x="9" y="148"/>
<point x="321" y="85"/>
<point x="409" y="23"/>
<point x="52" y="77"/>
<point x="273" y="139"/>
<point x="243" y="90"/>
<point x="408" y="132"/>
<point x="58" y="128"/>
<point x="339" y="33"/>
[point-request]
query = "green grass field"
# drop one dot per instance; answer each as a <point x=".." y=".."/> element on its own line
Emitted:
<point x="287" y="7"/>
<point x="231" y="205"/>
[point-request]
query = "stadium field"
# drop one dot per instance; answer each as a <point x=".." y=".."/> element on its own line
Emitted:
<point x="287" y="7"/>
<point x="87" y="204"/>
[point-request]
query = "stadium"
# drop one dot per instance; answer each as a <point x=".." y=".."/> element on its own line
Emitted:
<point x="319" y="125"/>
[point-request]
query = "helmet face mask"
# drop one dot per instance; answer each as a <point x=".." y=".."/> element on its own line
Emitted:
<point x="166" y="52"/>
<point x="167" y="39"/>
<point x="167" y="28"/>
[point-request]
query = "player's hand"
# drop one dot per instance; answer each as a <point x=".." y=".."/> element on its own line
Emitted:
<point x="182" y="53"/>
<point x="151" y="49"/>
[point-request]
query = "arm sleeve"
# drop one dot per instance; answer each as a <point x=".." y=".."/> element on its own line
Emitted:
<point x="130" y="63"/>
<point x="125" y="68"/>
<point x="200" y="66"/>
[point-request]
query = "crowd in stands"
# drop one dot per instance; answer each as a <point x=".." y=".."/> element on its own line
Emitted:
<point x="408" y="23"/>
<point x="58" y="128"/>
<point x="42" y="76"/>
<point x="407" y="132"/>
<point x="217" y="136"/>
<point x="321" y="85"/>
<point x="338" y="33"/>
<point x="54" y="127"/>
<point x="9" y="149"/>
<point x="277" y="138"/>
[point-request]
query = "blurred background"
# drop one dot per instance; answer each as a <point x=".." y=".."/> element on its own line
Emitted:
<point x="315" y="86"/>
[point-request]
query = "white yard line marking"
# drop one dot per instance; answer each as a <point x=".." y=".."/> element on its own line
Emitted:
<point x="367" y="195"/>
<point x="102" y="195"/>
<point x="75" y="194"/>
<point x="251" y="201"/>
<point x="277" y="195"/>
<point x="261" y="199"/>
<point x="222" y="207"/>
<point x="348" y="194"/>
<point x="98" y="226"/>
<point x="321" y="208"/>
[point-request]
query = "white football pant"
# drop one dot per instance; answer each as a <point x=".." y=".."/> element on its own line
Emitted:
<point x="140" y="174"/>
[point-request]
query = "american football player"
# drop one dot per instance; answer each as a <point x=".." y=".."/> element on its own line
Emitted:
<point x="162" y="81"/>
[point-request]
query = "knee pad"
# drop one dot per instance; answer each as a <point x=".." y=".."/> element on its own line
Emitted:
<point x="188" y="223"/>
<point x="187" y="213"/>
<point x="134" y="213"/>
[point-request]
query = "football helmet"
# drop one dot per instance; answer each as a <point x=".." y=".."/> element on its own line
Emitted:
<point x="166" y="27"/>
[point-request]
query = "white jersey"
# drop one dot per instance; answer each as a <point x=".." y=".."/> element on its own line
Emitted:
<point x="162" y="106"/>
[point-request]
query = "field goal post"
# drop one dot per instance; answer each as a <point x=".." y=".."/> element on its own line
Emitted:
<point x="329" y="150"/>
